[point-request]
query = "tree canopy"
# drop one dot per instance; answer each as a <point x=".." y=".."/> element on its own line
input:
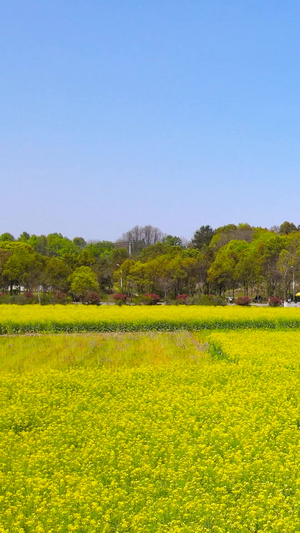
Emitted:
<point x="231" y="258"/>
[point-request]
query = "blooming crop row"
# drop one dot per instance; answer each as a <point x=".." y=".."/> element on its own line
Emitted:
<point x="150" y="433"/>
<point x="71" y="318"/>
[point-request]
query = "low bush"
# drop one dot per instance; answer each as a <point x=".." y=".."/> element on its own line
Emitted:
<point x="150" y="299"/>
<point x="182" y="299"/>
<point x="274" y="301"/>
<point x="120" y="298"/>
<point x="21" y="298"/>
<point x="207" y="299"/>
<point x="92" y="298"/>
<point x="243" y="300"/>
<point x="4" y="298"/>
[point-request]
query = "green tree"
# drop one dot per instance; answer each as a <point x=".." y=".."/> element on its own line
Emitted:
<point x="197" y="269"/>
<point x="287" y="227"/>
<point x="56" y="274"/>
<point x="38" y="243"/>
<point x="248" y="270"/>
<point x="271" y="251"/>
<point x="6" y="237"/>
<point x="230" y="232"/>
<point x="83" y="280"/>
<point x="202" y="237"/>
<point x="24" y="267"/>
<point x="79" y="242"/>
<point x="86" y="258"/>
<point x="140" y="276"/>
<point x="57" y="245"/>
<point x="4" y="256"/>
<point x="123" y="272"/>
<point x="223" y="270"/>
<point x="24" y="237"/>
<point x="160" y="248"/>
<point x="173" y="240"/>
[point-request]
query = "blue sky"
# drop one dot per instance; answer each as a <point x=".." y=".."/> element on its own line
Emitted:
<point x="171" y="113"/>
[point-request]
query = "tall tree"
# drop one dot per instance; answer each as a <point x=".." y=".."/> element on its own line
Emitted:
<point x="287" y="227"/>
<point x="56" y="274"/>
<point x="202" y="237"/>
<point x="140" y="237"/>
<point x="24" y="267"/>
<point x="83" y="280"/>
<point x="6" y="237"/>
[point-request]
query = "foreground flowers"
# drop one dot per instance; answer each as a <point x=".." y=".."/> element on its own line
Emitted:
<point x="158" y="432"/>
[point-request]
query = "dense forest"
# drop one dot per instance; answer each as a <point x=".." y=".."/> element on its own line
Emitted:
<point x="217" y="264"/>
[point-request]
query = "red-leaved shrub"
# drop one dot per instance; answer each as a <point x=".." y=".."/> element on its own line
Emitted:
<point x="120" y="298"/>
<point x="242" y="300"/>
<point x="182" y="298"/>
<point x="274" y="301"/>
<point x="150" y="299"/>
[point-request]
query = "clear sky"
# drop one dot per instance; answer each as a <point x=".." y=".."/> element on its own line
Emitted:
<point x="174" y="113"/>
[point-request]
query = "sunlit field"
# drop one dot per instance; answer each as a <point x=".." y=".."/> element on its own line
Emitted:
<point x="81" y="318"/>
<point x="150" y="432"/>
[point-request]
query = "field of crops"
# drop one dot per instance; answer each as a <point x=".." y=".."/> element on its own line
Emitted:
<point x="76" y="319"/>
<point x="177" y="432"/>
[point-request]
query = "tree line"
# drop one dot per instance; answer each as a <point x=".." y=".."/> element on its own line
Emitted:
<point x="217" y="263"/>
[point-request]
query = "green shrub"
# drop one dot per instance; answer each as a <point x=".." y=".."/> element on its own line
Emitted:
<point x="207" y="299"/>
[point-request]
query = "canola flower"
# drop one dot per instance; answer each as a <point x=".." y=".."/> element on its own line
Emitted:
<point x="159" y="432"/>
<point x="79" y="318"/>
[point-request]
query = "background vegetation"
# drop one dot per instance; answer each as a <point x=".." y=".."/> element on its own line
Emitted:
<point x="146" y="266"/>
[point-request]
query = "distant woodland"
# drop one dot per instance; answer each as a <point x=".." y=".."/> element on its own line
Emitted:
<point x="145" y="265"/>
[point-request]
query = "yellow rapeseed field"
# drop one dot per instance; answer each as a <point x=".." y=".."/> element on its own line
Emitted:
<point x="80" y="318"/>
<point x="150" y="432"/>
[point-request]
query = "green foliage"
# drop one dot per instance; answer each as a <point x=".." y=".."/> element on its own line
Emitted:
<point x="208" y="300"/>
<point x="56" y="274"/>
<point x="38" y="243"/>
<point x="54" y="297"/>
<point x="222" y="272"/>
<point x="79" y="242"/>
<point x="228" y="228"/>
<point x="24" y="237"/>
<point x="23" y="266"/>
<point x="173" y="240"/>
<point x="287" y="227"/>
<point x="101" y="248"/>
<point x="83" y="280"/>
<point x="86" y="258"/>
<point x="23" y="298"/>
<point x="57" y="245"/>
<point x="6" y="237"/>
<point x="238" y="258"/>
<point x="203" y="237"/>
